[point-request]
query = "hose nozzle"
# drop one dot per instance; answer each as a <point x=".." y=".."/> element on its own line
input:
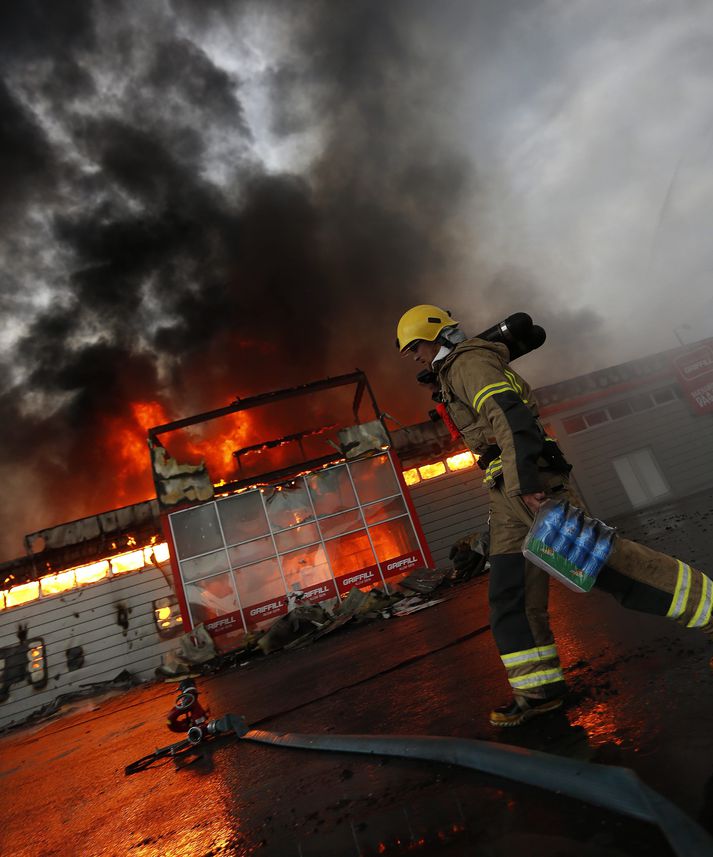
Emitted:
<point x="226" y="724"/>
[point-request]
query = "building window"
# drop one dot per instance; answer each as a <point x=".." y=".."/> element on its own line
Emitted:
<point x="661" y="397"/>
<point x="595" y="418"/>
<point x="430" y="471"/>
<point x="619" y="410"/>
<point x="624" y="408"/>
<point x="574" y="424"/>
<point x="411" y="476"/>
<point x="641" y="402"/>
<point x="641" y="478"/>
<point x="461" y="461"/>
<point x="167" y="616"/>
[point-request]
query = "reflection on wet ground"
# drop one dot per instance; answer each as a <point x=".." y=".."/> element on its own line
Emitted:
<point x="640" y="697"/>
<point x="599" y="722"/>
<point x="467" y="819"/>
<point x="683" y="529"/>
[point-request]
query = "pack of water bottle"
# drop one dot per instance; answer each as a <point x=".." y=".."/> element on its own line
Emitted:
<point x="568" y="544"/>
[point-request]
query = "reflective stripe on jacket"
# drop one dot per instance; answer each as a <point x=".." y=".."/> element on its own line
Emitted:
<point x="490" y="403"/>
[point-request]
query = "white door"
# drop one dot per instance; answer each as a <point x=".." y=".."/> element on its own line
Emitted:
<point x="641" y="477"/>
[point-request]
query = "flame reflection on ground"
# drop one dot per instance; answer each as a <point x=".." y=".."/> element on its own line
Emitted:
<point x="599" y="722"/>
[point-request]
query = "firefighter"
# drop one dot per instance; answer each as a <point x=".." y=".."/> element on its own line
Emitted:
<point x="496" y="413"/>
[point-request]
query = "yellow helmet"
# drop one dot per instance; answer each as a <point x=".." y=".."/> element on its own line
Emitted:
<point x="424" y="321"/>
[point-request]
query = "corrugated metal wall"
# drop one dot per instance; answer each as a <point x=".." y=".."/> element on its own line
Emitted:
<point x="681" y="442"/>
<point x="449" y="507"/>
<point x="87" y="617"/>
<point x="455" y="504"/>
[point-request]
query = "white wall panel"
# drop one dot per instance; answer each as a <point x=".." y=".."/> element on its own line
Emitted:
<point x="450" y="507"/>
<point x="87" y="617"/>
<point x="681" y="442"/>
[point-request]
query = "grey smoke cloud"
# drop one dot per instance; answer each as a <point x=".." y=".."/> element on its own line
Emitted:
<point x="592" y="123"/>
<point x="209" y="199"/>
<point x="161" y="247"/>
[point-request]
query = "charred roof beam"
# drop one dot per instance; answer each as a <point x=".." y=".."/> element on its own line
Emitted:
<point x="357" y="377"/>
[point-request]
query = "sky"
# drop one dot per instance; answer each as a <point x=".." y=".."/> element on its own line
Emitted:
<point x="209" y="199"/>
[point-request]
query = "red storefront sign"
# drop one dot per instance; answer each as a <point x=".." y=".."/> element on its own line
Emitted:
<point x="364" y="577"/>
<point x="320" y="592"/>
<point x="370" y="576"/>
<point x="265" y="610"/>
<point x="695" y="375"/>
<point x="256" y="613"/>
<point x="225" y="624"/>
<point x="403" y="564"/>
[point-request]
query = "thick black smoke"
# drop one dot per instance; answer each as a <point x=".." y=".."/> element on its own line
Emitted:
<point x="152" y="254"/>
<point x="209" y="199"/>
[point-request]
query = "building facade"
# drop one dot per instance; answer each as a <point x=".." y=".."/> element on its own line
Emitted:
<point x="637" y="434"/>
<point x="96" y="597"/>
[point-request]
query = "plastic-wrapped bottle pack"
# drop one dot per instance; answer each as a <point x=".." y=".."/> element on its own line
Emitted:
<point x="568" y="544"/>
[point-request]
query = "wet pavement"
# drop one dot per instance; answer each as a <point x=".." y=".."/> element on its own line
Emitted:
<point x="641" y="697"/>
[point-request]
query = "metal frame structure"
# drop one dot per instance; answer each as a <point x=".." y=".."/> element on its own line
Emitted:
<point x="298" y="468"/>
<point x="330" y="587"/>
<point x="358" y="378"/>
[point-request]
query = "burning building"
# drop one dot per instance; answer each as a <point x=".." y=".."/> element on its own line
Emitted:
<point x="316" y="510"/>
<point x="318" y="523"/>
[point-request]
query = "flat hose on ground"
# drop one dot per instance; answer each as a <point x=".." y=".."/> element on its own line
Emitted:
<point x="617" y="789"/>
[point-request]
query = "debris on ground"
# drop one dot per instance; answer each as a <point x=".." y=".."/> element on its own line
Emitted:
<point x="64" y="703"/>
<point x="358" y="606"/>
<point x="423" y="581"/>
<point x="469" y="556"/>
<point x="194" y="649"/>
<point x="366" y="605"/>
<point x="304" y="623"/>
<point x="412" y="605"/>
<point x="298" y="622"/>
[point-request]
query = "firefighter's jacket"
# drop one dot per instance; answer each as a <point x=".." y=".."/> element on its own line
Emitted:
<point x="492" y="406"/>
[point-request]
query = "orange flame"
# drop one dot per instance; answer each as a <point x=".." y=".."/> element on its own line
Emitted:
<point x="411" y="476"/>
<point x="461" y="461"/>
<point x="213" y="443"/>
<point x="454" y="463"/>
<point x="125" y="443"/>
<point x="429" y="471"/>
<point x="82" y="575"/>
<point x="126" y="446"/>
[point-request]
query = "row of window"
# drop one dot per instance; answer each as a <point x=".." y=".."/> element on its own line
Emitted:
<point x="626" y="407"/>
<point x="290" y="510"/>
<point x="602" y="378"/>
<point x="73" y="578"/>
<point x="240" y="556"/>
<point x="258" y="591"/>
<point x="254" y="550"/>
<point x="460" y="461"/>
<point x="250" y="554"/>
<point x="287" y="513"/>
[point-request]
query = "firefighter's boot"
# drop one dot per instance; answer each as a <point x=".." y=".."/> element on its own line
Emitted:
<point x="522" y="709"/>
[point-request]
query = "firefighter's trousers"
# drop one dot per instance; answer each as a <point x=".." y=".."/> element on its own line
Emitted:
<point x="638" y="577"/>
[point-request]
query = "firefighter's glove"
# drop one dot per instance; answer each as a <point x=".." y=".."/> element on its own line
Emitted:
<point x="469" y="556"/>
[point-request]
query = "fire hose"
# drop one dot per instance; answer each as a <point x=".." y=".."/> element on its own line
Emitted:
<point x="613" y="788"/>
